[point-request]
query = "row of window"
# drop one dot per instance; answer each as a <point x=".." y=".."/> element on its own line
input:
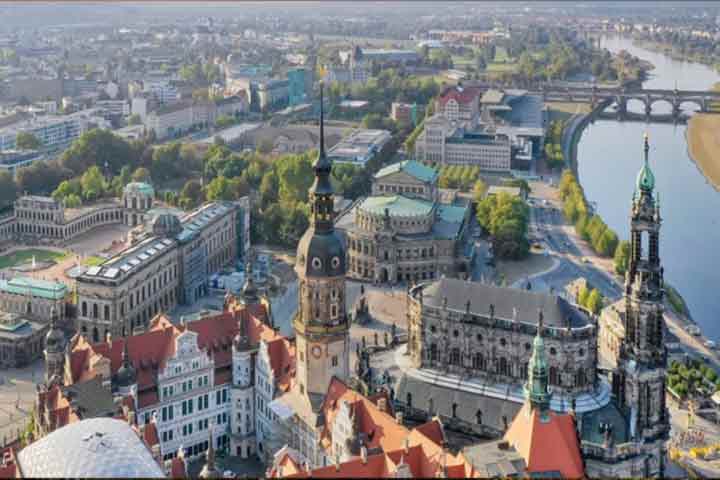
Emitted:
<point x="187" y="407"/>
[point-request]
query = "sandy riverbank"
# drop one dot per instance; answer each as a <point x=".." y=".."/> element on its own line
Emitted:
<point x="703" y="138"/>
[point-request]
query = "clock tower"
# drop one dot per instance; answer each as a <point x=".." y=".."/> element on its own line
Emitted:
<point x="321" y="323"/>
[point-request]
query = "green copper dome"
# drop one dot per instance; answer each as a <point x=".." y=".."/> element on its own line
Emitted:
<point x="646" y="179"/>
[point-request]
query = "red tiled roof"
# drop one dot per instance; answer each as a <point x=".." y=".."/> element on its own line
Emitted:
<point x="177" y="468"/>
<point x="433" y="430"/>
<point x="150" y="351"/>
<point x="546" y="446"/>
<point x="463" y="96"/>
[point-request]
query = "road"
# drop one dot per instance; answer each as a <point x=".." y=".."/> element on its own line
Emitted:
<point x="547" y="222"/>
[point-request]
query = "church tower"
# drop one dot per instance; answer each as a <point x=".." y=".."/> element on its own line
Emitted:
<point x="54" y="351"/>
<point x="639" y="383"/>
<point x="321" y="323"/>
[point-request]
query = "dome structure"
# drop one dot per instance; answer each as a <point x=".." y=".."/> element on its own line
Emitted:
<point x="140" y="188"/>
<point x="55" y="338"/>
<point x="166" y="225"/>
<point x="125" y="376"/>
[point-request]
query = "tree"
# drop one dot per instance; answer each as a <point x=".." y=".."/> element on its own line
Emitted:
<point x="165" y="160"/>
<point x="141" y="174"/>
<point x="269" y="189"/>
<point x="594" y="301"/>
<point x="93" y="183"/>
<point x="27" y="141"/>
<point x="8" y="189"/>
<point x="72" y="201"/>
<point x="99" y="147"/>
<point x="224" y="121"/>
<point x="583" y="295"/>
<point x="622" y="253"/>
<point x="219" y="189"/>
<point x="191" y="193"/>
<point x="67" y="188"/>
<point x="134" y="119"/>
<point x="295" y="176"/>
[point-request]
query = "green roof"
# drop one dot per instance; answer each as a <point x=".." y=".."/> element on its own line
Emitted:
<point x="411" y="167"/>
<point x="37" y="288"/>
<point x="452" y="213"/>
<point x="140" y="187"/>
<point x="397" y="206"/>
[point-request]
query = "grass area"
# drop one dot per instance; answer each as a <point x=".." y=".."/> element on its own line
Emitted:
<point x="92" y="261"/>
<point x="676" y="301"/>
<point x="20" y="257"/>
<point x="564" y="110"/>
<point x="500" y="67"/>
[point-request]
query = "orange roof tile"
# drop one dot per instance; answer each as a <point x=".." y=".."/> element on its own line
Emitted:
<point x="546" y="446"/>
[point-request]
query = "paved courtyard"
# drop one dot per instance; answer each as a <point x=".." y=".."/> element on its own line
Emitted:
<point x="17" y="398"/>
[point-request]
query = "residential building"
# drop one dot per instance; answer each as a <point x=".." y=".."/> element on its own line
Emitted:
<point x="272" y="94"/>
<point x="11" y="160"/>
<point x="232" y="106"/>
<point x="178" y="118"/>
<point x="402" y="233"/>
<point x="118" y="108"/>
<point x="459" y="103"/>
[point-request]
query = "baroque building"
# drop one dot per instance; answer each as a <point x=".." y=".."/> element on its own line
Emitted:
<point x="167" y="265"/>
<point x="628" y="436"/>
<point x="486" y="332"/>
<point x="402" y="232"/>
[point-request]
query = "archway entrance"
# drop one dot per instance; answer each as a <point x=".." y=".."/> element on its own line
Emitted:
<point x="384" y="277"/>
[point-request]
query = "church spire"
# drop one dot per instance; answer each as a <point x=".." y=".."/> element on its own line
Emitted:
<point x="321" y="191"/>
<point x="646" y="179"/>
<point x="536" y="389"/>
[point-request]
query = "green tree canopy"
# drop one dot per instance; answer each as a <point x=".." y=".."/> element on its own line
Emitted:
<point x="27" y="141"/>
<point x="622" y="253"/>
<point x="141" y="174"/>
<point x="93" y="183"/>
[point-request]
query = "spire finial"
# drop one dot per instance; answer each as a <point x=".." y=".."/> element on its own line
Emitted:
<point x="647" y="146"/>
<point x="322" y="121"/>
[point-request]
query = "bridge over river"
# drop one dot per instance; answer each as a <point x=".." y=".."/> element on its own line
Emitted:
<point x="704" y="100"/>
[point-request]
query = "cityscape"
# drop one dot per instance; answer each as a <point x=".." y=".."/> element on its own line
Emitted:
<point x="323" y="239"/>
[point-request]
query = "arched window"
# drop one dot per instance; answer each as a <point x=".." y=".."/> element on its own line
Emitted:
<point x="433" y="352"/>
<point x="84" y="309"/>
<point x="554" y="380"/>
<point x="478" y="361"/>
<point x="503" y="366"/>
<point x="454" y="410"/>
<point x="455" y="356"/>
<point x="478" y="417"/>
<point x="409" y="400"/>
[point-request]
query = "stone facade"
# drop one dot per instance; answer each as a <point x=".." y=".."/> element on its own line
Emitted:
<point x="402" y="233"/>
<point x="487" y="332"/>
<point x="168" y="265"/>
<point x="21" y="340"/>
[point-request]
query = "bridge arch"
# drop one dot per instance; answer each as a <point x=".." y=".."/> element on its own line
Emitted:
<point x="691" y="104"/>
<point x="661" y="106"/>
<point x="636" y="104"/>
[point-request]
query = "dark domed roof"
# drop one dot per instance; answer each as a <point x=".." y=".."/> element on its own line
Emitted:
<point x="55" y="338"/>
<point x="321" y="254"/>
<point x="125" y="375"/>
<point x="166" y="225"/>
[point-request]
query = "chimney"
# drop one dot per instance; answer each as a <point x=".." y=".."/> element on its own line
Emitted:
<point x="399" y="417"/>
<point x="363" y="454"/>
<point x="382" y="404"/>
<point x="406" y="445"/>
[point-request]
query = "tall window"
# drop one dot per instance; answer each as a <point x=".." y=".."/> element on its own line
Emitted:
<point x="455" y="356"/>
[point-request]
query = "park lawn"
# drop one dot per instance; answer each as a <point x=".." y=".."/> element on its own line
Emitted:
<point x="500" y="67"/>
<point x="20" y="257"/>
<point x="92" y="261"/>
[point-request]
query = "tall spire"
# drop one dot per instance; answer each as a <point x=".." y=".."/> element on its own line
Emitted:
<point x="536" y="389"/>
<point x="646" y="179"/>
<point x="321" y="191"/>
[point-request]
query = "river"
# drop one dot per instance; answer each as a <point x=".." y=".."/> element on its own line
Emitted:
<point x="609" y="157"/>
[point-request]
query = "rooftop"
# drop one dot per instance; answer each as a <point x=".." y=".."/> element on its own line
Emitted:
<point x="508" y="303"/>
<point x="397" y="206"/>
<point x="492" y="96"/>
<point x="411" y="167"/>
<point x="97" y="447"/>
<point x="35" y="287"/>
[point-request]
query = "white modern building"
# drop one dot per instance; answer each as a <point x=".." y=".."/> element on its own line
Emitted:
<point x="359" y="147"/>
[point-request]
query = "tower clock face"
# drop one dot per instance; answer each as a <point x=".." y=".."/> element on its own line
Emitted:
<point x="316" y="351"/>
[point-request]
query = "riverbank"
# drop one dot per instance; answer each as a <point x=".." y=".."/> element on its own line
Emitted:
<point x="667" y="50"/>
<point x="703" y="139"/>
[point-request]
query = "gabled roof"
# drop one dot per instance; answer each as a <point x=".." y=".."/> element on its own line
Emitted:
<point x="412" y="168"/>
<point x="462" y="95"/>
<point x="149" y="352"/>
<point x="548" y="444"/>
